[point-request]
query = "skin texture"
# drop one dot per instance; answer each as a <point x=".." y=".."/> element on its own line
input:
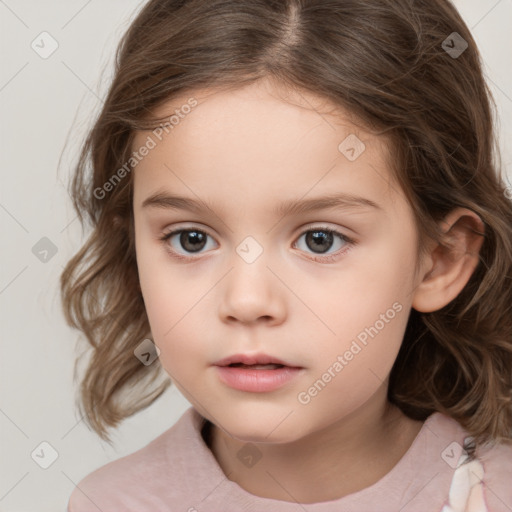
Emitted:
<point x="244" y="152"/>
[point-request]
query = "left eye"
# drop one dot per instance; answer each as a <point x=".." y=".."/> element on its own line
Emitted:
<point x="318" y="240"/>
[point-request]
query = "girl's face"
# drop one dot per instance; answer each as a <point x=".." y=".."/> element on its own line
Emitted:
<point x="255" y="276"/>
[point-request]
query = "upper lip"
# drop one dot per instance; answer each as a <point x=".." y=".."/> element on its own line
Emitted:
<point x="251" y="359"/>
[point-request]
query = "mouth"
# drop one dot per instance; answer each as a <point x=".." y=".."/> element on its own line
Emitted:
<point x="256" y="366"/>
<point x="257" y="373"/>
<point x="254" y="362"/>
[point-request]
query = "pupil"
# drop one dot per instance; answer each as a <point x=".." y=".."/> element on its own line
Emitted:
<point x="192" y="240"/>
<point x="319" y="239"/>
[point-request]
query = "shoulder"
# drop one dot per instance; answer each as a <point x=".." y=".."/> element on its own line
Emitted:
<point x="496" y="461"/>
<point x="492" y="466"/>
<point x="149" y="477"/>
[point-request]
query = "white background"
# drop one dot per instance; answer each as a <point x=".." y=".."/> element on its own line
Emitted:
<point x="42" y="101"/>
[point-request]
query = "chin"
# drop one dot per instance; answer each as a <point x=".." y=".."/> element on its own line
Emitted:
<point x="255" y="424"/>
<point x="264" y="436"/>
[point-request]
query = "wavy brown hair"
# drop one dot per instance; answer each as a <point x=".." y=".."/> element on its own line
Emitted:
<point x="384" y="61"/>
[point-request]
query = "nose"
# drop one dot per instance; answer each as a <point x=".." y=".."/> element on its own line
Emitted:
<point x="252" y="293"/>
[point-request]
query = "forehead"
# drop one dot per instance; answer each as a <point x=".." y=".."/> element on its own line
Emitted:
<point x="264" y="138"/>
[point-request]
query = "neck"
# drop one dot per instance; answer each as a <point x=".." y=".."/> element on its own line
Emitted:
<point x="347" y="456"/>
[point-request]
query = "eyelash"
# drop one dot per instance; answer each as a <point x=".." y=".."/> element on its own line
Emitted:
<point x="350" y="243"/>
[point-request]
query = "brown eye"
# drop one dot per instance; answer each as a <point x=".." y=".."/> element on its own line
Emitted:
<point x="192" y="241"/>
<point x="183" y="241"/>
<point x="320" y="240"/>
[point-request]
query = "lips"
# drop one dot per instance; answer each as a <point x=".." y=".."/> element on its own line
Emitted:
<point x="256" y="366"/>
<point x="256" y="373"/>
<point x="254" y="361"/>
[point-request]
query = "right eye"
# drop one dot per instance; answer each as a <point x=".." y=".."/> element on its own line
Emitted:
<point x="191" y="240"/>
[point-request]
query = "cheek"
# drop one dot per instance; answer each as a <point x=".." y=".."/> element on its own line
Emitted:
<point x="369" y="318"/>
<point x="378" y="280"/>
<point x="366" y="350"/>
<point x="162" y="300"/>
<point x="169" y="317"/>
<point x="171" y="298"/>
<point x="349" y="373"/>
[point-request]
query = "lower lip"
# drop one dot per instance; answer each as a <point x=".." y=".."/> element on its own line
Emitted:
<point x="256" y="381"/>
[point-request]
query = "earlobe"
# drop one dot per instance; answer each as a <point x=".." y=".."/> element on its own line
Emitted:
<point x="452" y="262"/>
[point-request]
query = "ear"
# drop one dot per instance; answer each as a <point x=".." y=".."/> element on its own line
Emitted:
<point x="451" y="262"/>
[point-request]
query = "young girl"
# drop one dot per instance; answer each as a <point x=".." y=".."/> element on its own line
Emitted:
<point x="373" y="374"/>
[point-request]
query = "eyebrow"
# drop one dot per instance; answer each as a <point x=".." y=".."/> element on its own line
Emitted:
<point x="163" y="200"/>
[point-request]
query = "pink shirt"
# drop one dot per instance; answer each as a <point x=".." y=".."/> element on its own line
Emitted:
<point x="178" y="472"/>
